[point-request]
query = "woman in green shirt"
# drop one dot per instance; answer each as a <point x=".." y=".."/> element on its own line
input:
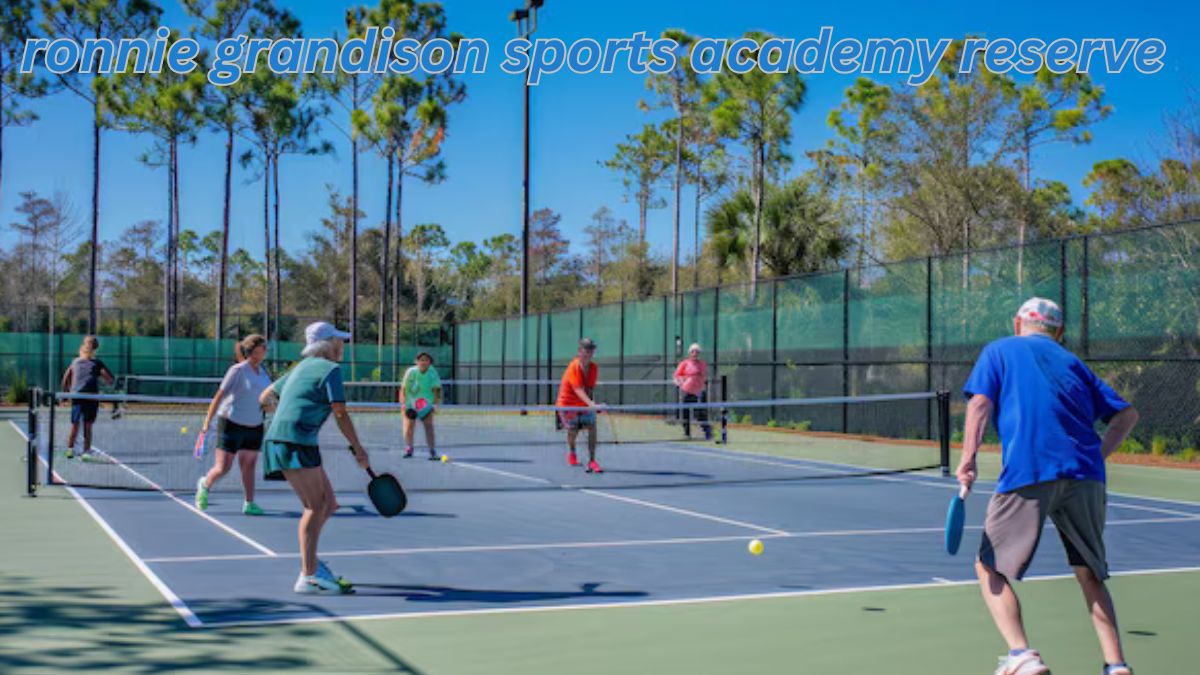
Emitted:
<point x="303" y="399"/>
<point x="420" y="394"/>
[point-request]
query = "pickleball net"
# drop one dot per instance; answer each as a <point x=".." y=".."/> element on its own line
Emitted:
<point x="149" y="446"/>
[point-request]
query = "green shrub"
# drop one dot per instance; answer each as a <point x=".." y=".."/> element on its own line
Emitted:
<point x="773" y="424"/>
<point x="1158" y="446"/>
<point x="747" y="419"/>
<point x="18" y="388"/>
<point x="1132" y="446"/>
<point x="802" y="426"/>
<point x="1190" y="455"/>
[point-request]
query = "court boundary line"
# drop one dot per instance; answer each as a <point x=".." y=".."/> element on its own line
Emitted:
<point x="915" y="478"/>
<point x="675" y="601"/>
<point x="616" y="543"/>
<point x="684" y="512"/>
<point x="190" y="507"/>
<point x="599" y="492"/>
<point x="246" y="539"/>
<point x="189" y="617"/>
<point x="193" y="621"/>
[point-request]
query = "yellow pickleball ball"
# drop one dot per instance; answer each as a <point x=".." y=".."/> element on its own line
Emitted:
<point x="756" y="547"/>
<point x="445" y="458"/>
<point x="183" y="430"/>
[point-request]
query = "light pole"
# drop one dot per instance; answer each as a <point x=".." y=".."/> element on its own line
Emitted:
<point x="526" y="20"/>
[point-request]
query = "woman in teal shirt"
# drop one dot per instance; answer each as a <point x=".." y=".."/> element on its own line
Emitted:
<point x="303" y="399"/>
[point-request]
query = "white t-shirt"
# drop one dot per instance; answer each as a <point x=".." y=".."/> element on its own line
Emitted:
<point x="242" y="387"/>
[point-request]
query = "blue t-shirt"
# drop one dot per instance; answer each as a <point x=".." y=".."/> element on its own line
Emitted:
<point x="1046" y="406"/>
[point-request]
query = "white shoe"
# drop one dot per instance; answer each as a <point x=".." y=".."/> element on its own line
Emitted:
<point x="1028" y="662"/>
<point x="316" y="584"/>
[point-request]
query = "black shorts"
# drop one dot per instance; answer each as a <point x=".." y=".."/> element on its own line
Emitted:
<point x="232" y="436"/>
<point x="84" y="411"/>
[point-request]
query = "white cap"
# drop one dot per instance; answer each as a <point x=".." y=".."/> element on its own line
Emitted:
<point x="321" y="331"/>
<point x="1043" y="311"/>
<point x="695" y="347"/>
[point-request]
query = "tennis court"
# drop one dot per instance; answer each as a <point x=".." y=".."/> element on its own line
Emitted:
<point x="505" y="526"/>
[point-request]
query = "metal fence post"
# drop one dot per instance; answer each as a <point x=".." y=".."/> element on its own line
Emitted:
<point x="845" y="347"/>
<point x="716" y="336"/>
<point x="621" y="357"/>
<point x="1085" y="300"/>
<point x="774" y="346"/>
<point x="928" y="338"/>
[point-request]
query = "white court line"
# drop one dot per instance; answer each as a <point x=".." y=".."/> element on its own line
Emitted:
<point x="509" y="474"/>
<point x="912" y="478"/>
<point x="184" y="611"/>
<point x="685" y="512"/>
<point x="1180" y="502"/>
<point x="674" y="601"/>
<point x="481" y="549"/>
<point x="639" y="502"/>
<point x="187" y="505"/>
<point x="490" y="548"/>
<point x="941" y="580"/>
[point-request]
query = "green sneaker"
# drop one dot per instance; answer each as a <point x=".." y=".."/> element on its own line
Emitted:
<point x="324" y="572"/>
<point x="201" y="494"/>
<point x="70" y="453"/>
<point x="252" y="509"/>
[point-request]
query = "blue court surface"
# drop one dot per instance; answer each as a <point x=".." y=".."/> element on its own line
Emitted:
<point x="559" y="548"/>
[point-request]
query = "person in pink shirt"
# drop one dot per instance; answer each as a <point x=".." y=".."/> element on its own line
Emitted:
<point x="691" y="376"/>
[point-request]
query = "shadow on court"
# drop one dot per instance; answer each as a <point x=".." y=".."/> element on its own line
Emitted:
<point x="86" y="628"/>
<point x="420" y="593"/>
<point x="358" y="512"/>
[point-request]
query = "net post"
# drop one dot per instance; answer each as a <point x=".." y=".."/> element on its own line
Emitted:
<point x="943" y="405"/>
<point x="51" y="404"/>
<point x="31" y="442"/>
<point x="724" y="410"/>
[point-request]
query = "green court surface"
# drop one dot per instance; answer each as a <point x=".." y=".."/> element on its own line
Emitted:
<point x="71" y="601"/>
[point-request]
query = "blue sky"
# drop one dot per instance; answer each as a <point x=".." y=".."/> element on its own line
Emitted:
<point x="578" y="119"/>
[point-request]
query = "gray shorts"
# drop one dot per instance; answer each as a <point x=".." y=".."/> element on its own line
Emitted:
<point x="1015" y="519"/>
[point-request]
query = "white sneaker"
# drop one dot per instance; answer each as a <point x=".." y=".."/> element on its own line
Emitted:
<point x="316" y="584"/>
<point x="1028" y="662"/>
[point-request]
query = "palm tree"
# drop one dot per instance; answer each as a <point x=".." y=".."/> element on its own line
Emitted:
<point x="80" y="20"/>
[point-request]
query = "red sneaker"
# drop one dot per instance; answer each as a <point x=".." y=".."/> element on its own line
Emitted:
<point x="593" y="467"/>
<point x="572" y="459"/>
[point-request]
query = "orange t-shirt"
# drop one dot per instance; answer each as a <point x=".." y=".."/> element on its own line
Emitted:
<point x="575" y="377"/>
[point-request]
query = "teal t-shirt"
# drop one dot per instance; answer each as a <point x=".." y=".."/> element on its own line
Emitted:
<point x="305" y="393"/>
<point x="420" y="385"/>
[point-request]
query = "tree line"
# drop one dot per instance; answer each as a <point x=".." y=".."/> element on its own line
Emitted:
<point x="949" y="166"/>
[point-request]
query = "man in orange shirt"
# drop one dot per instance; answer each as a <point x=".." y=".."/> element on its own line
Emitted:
<point x="575" y="391"/>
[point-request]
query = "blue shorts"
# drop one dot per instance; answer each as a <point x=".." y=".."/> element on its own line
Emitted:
<point x="577" y="419"/>
<point x="84" y="411"/>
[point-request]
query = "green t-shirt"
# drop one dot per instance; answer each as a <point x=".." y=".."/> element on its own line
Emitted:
<point x="420" y="385"/>
<point x="305" y="393"/>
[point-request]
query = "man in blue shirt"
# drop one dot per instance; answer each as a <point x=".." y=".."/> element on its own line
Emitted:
<point x="1045" y="403"/>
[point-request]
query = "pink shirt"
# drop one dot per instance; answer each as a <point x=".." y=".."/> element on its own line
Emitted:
<point x="691" y="375"/>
